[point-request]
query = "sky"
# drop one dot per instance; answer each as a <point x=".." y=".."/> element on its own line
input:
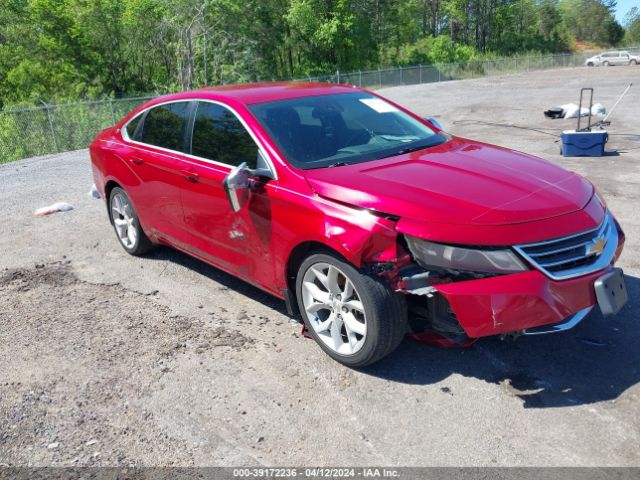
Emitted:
<point x="623" y="7"/>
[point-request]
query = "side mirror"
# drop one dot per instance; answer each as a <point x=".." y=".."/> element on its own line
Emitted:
<point x="434" y="122"/>
<point x="236" y="186"/>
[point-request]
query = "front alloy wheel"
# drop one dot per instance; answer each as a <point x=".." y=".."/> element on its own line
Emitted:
<point x="334" y="309"/>
<point x="356" y="319"/>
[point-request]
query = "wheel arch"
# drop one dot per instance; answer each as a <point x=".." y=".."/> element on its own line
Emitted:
<point x="296" y="256"/>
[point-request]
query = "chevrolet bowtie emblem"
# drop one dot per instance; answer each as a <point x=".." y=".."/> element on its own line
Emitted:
<point x="596" y="247"/>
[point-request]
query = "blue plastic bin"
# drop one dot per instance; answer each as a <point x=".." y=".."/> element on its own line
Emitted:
<point x="583" y="144"/>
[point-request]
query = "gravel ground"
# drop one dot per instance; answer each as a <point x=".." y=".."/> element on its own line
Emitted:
<point x="107" y="359"/>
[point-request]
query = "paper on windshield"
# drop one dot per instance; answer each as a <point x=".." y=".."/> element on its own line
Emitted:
<point x="378" y="105"/>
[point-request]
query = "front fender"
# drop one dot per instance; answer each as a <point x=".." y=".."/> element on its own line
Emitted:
<point x="359" y="235"/>
<point x="363" y="236"/>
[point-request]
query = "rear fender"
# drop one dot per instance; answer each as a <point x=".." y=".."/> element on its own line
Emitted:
<point x="120" y="172"/>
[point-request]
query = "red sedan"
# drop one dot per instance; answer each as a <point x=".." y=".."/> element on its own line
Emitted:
<point x="369" y="221"/>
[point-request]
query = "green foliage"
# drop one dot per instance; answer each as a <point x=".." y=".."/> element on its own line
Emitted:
<point x="591" y="21"/>
<point x="427" y="50"/>
<point x="57" y="50"/>
<point x="632" y="24"/>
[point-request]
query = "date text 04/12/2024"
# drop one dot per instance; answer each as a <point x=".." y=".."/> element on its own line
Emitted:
<point x="315" y="473"/>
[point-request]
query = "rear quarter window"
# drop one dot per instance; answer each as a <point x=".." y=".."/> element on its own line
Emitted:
<point x="134" y="128"/>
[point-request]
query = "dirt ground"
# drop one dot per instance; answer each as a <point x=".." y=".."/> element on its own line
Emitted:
<point x="107" y="359"/>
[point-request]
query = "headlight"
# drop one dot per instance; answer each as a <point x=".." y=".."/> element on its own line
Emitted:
<point x="449" y="257"/>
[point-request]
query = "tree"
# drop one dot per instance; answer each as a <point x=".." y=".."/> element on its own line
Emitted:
<point x="592" y="20"/>
<point x="632" y="24"/>
<point x="53" y="50"/>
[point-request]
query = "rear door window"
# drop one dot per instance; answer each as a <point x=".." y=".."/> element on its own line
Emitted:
<point x="165" y="126"/>
<point x="218" y="135"/>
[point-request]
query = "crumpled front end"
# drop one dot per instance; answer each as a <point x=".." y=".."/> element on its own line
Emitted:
<point x="520" y="301"/>
<point x="556" y="287"/>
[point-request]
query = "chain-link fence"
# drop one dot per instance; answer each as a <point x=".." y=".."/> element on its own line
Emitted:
<point x="457" y="71"/>
<point x="36" y="131"/>
<point x="64" y="127"/>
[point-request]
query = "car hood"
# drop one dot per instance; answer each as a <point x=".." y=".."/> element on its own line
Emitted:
<point x="458" y="182"/>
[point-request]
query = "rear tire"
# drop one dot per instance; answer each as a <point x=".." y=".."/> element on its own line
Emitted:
<point x="126" y="223"/>
<point x="633" y="62"/>
<point x="356" y="319"/>
<point x="605" y="64"/>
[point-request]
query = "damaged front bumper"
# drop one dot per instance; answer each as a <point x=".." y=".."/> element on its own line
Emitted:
<point x="565" y="281"/>
<point x="522" y="302"/>
<point x="567" y="324"/>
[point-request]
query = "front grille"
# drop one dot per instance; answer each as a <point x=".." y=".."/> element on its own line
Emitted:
<point x="574" y="255"/>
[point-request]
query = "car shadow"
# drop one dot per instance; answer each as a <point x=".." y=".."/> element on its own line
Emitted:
<point x="595" y="361"/>
<point x="226" y="281"/>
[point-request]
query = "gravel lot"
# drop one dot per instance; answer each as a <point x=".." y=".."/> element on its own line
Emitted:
<point x="107" y="359"/>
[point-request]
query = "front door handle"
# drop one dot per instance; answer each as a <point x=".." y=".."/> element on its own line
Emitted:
<point x="191" y="176"/>
<point x="136" y="161"/>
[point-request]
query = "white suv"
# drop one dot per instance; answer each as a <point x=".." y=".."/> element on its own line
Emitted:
<point x="612" y="58"/>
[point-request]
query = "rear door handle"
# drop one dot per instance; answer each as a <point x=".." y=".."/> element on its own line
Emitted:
<point x="191" y="176"/>
<point x="136" y="161"/>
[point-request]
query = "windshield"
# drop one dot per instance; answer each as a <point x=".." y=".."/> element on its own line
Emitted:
<point x="341" y="129"/>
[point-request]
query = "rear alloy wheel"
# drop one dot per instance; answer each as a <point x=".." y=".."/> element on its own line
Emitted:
<point x="355" y="319"/>
<point x="633" y="62"/>
<point x="126" y="224"/>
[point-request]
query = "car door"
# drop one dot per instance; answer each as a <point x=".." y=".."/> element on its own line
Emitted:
<point x="617" y="59"/>
<point x="156" y="147"/>
<point x="235" y="241"/>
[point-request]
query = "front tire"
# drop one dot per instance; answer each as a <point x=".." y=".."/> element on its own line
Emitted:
<point x="126" y="223"/>
<point x="605" y="64"/>
<point x="633" y="62"/>
<point x="356" y="319"/>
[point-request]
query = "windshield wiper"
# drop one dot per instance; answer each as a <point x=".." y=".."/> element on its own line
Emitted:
<point x="415" y="148"/>
<point x="338" y="164"/>
<point x="402" y="151"/>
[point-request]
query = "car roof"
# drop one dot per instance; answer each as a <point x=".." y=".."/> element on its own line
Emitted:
<point x="252" y="93"/>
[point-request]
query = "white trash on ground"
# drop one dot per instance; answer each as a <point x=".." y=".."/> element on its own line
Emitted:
<point x="93" y="193"/>
<point x="598" y="110"/>
<point x="570" y="110"/>
<point x="56" y="207"/>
